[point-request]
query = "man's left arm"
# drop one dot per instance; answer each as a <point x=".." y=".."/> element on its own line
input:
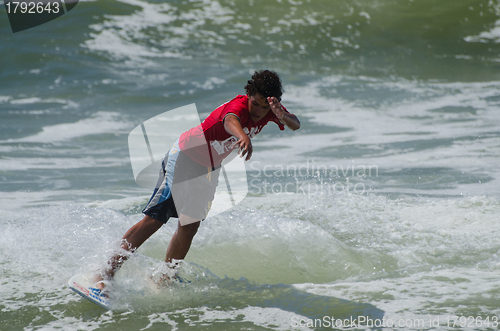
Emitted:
<point x="286" y="118"/>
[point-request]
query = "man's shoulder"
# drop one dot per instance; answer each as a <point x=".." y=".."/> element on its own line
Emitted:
<point x="238" y="106"/>
<point x="240" y="101"/>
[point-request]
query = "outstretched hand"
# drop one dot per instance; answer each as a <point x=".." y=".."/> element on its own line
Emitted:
<point x="276" y="107"/>
<point x="244" y="146"/>
<point x="233" y="127"/>
<point x="290" y="120"/>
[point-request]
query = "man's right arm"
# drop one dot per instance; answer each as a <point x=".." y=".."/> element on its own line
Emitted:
<point x="232" y="126"/>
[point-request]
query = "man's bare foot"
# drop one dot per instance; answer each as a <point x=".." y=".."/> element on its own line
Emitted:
<point x="166" y="275"/>
<point x="162" y="280"/>
<point x="100" y="281"/>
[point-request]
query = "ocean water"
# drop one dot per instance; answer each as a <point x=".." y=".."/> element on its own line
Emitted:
<point x="383" y="208"/>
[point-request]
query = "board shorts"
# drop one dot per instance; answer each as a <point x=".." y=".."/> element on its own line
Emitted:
<point x="183" y="187"/>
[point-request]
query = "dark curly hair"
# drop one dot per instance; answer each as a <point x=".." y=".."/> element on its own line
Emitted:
<point x="266" y="83"/>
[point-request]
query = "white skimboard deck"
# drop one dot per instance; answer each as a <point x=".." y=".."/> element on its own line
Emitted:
<point x="83" y="285"/>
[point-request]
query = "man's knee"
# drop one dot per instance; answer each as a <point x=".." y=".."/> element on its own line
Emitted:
<point x="150" y="223"/>
<point x="189" y="229"/>
<point x="187" y="220"/>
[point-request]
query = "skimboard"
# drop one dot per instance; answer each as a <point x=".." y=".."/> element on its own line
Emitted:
<point x="82" y="285"/>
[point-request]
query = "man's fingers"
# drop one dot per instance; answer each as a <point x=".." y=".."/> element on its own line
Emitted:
<point x="246" y="151"/>
<point x="275" y="105"/>
<point x="235" y="144"/>
<point x="249" y="155"/>
<point x="273" y="101"/>
<point x="243" y="149"/>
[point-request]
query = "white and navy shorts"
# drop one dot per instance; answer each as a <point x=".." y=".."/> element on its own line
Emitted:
<point x="183" y="187"/>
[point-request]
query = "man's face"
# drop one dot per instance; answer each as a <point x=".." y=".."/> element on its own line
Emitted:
<point x="258" y="107"/>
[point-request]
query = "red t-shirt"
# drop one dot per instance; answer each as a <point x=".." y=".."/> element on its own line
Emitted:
<point x="211" y="132"/>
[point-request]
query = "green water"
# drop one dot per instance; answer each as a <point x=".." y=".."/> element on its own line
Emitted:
<point x="406" y="90"/>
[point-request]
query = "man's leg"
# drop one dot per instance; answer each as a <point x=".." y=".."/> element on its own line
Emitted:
<point x="132" y="240"/>
<point x="181" y="240"/>
<point x="140" y="232"/>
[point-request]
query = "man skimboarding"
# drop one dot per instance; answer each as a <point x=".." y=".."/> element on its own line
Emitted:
<point x="189" y="174"/>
